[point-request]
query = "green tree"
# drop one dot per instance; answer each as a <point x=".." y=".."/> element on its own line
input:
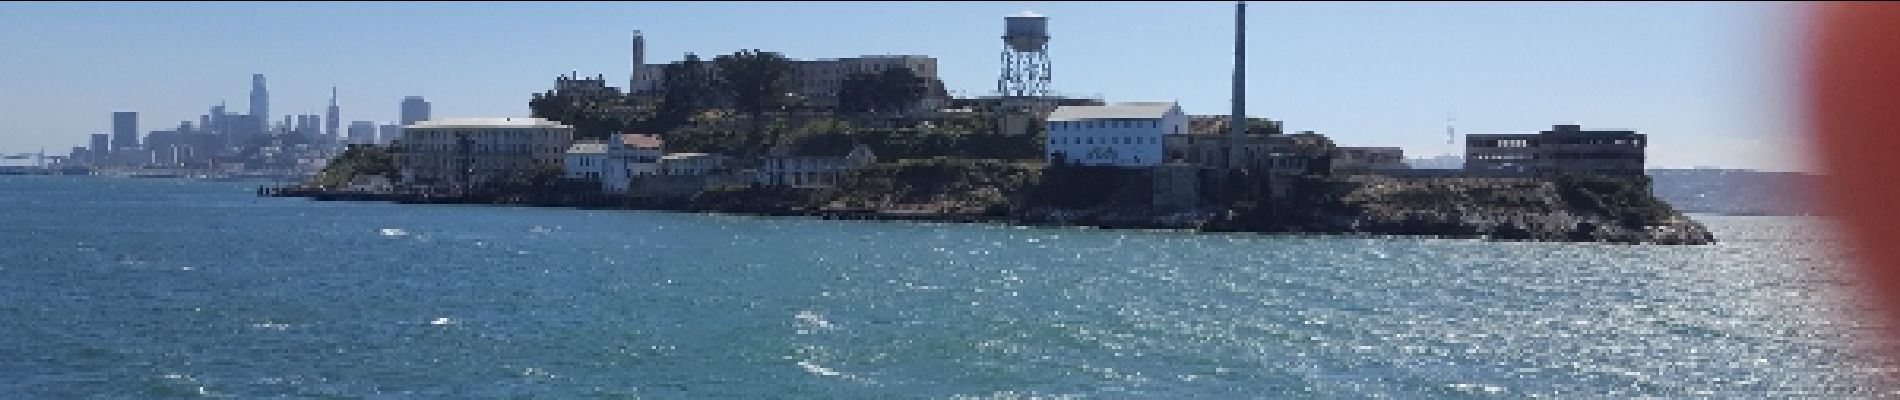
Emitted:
<point x="688" y="89"/>
<point x="900" y="89"/>
<point x="858" y="94"/>
<point x="893" y="91"/>
<point x="755" y="81"/>
<point x="593" y="115"/>
<point x="356" y="160"/>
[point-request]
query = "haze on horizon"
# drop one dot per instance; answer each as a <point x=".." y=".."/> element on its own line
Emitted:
<point x="1708" y="82"/>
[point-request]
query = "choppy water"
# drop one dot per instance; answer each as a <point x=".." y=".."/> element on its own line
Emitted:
<point x="174" y="288"/>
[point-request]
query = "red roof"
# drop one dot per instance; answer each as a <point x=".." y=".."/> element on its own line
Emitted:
<point x="640" y="140"/>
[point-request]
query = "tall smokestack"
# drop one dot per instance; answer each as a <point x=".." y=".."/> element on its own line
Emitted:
<point x="1237" y="123"/>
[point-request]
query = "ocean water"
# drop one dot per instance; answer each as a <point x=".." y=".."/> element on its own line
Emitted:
<point x="168" y="288"/>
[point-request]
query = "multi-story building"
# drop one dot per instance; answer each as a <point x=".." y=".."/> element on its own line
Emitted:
<point x="332" y="118"/>
<point x="586" y="160"/>
<point x="591" y="88"/>
<point x="1298" y="153"/>
<point x="1368" y="159"/>
<point x="125" y="130"/>
<point x="260" y="103"/>
<point x="811" y="171"/>
<point x="678" y="164"/>
<point x="362" y="132"/>
<point x="465" y="153"/>
<point x="1565" y="149"/>
<point x="414" y="109"/>
<point x="1121" y="135"/>
<point x="387" y="133"/>
<point x="816" y="81"/>
<point x="100" y="147"/>
<point x="614" y="163"/>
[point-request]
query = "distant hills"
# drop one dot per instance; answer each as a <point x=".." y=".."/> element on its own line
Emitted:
<point x="1711" y="190"/>
<point x="1737" y="191"/>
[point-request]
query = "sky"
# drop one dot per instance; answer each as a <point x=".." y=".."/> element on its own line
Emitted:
<point x="1709" y="82"/>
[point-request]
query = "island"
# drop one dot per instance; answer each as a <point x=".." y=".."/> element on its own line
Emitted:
<point x="756" y="133"/>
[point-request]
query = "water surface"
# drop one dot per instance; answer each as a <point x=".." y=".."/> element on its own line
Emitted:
<point x="114" y="287"/>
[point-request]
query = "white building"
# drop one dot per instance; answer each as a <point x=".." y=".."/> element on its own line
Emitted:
<point x="1121" y="134"/>
<point x="585" y="160"/>
<point x="691" y="163"/>
<point x="614" y="163"/>
<point x="473" y="152"/>
<point x="640" y="154"/>
<point x="810" y="172"/>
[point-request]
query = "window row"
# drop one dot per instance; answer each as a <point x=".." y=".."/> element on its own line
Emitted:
<point x="1105" y="140"/>
<point x="1103" y="124"/>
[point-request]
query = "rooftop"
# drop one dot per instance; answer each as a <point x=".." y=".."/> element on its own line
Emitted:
<point x="640" y="140"/>
<point x="1135" y="110"/>
<point x="587" y="146"/>
<point x="502" y="122"/>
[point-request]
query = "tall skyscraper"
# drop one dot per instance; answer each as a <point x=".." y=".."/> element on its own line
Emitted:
<point x="125" y="130"/>
<point x="260" y="103"/>
<point x="414" y="109"/>
<point x="331" y="120"/>
<point x="216" y="117"/>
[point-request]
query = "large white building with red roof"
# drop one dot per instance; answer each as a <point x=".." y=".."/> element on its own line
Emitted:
<point x="614" y="163"/>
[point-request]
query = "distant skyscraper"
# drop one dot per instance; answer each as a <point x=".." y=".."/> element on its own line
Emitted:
<point x="362" y="132"/>
<point x="311" y="125"/>
<point x="125" y="130"/>
<point x="331" y="120"/>
<point x="414" y="109"/>
<point x="217" y="119"/>
<point x="260" y="102"/>
<point x="388" y="133"/>
<point x="99" y="146"/>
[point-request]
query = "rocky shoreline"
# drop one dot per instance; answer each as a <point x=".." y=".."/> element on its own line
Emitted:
<point x="1535" y="212"/>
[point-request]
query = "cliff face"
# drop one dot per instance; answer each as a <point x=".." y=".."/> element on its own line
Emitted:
<point x="1597" y="209"/>
<point x="1572" y="209"/>
<point x="964" y="187"/>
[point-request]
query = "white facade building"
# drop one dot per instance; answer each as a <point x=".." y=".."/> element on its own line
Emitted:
<point x="470" y="152"/>
<point x="1121" y="134"/>
<point x="614" y="163"/>
<point x="585" y="160"/>
<point x="811" y="172"/>
<point x="691" y="163"/>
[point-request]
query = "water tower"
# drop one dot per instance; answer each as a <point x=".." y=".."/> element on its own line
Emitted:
<point x="1025" y="56"/>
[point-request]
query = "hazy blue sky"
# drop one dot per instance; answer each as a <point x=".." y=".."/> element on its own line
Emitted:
<point x="1709" y="82"/>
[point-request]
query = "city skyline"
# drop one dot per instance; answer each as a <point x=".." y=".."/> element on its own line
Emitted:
<point x="1706" y="81"/>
